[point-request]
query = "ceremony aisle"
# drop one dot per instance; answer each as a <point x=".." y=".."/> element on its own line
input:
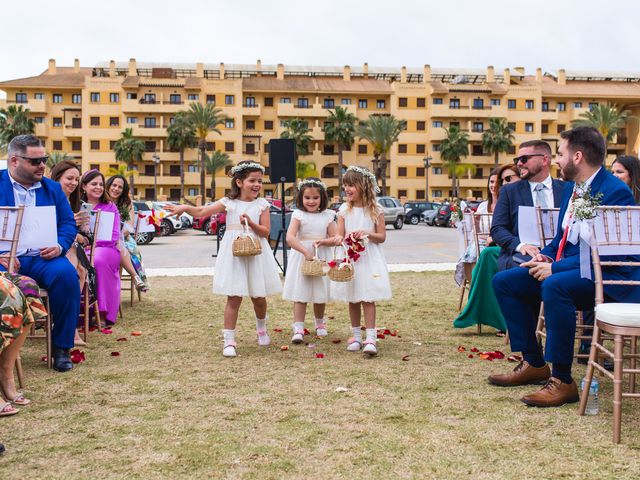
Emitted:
<point x="164" y="403"/>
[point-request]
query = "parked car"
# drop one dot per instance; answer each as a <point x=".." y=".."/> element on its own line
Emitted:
<point x="413" y="210"/>
<point x="143" y="238"/>
<point x="443" y="216"/>
<point x="216" y="224"/>
<point x="185" y="219"/>
<point x="473" y="204"/>
<point x="428" y="216"/>
<point x="169" y="223"/>
<point x="393" y="211"/>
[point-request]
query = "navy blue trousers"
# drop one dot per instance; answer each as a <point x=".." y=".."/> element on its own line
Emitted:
<point x="60" y="279"/>
<point x="519" y="296"/>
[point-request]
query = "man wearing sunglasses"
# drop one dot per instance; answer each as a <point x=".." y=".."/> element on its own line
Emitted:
<point x="537" y="188"/>
<point x="23" y="183"/>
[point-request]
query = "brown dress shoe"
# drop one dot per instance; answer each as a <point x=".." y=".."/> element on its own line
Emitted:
<point x="523" y="374"/>
<point x="554" y="394"/>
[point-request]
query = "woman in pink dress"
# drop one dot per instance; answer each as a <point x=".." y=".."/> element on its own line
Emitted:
<point x="107" y="255"/>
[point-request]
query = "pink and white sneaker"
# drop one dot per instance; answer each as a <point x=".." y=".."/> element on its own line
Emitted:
<point x="321" y="330"/>
<point x="229" y="350"/>
<point x="263" y="337"/>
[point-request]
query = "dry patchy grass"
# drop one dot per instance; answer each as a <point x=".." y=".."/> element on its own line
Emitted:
<point x="171" y="406"/>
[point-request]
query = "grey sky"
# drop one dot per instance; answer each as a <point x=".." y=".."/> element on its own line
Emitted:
<point x="574" y="34"/>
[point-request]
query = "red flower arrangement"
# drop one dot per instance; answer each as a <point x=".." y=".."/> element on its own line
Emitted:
<point x="354" y="247"/>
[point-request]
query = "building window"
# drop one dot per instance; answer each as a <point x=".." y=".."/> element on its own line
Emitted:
<point x="192" y="192"/>
<point x="495" y="102"/>
<point x="229" y="99"/>
<point x="268" y="124"/>
<point x="150" y="122"/>
<point x="478" y="173"/>
<point x="114" y="97"/>
<point x="268" y="101"/>
<point x="57" y="98"/>
<point x="149" y="170"/>
<point x="421" y="102"/>
<point x="210" y="146"/>
<point x="94" y="166"/>
<point x="150" y="146"/>
<point x="476" y="150"/>
<point x="192" y="97"/>
<point x="545" y="106"/>
<point x="544" y="128"/>
<point x="478" y="126"/>
<point x="478" y="103"/>
<point x="211" y="99"/>
<point x="420" y="195"/>
<point x="57" y="121"/>
<point x="95" y="97"/>
<point x="436" y="193"/>
<point x="402" y="193"/>
<point x="362" y="149"/>
<point x="380" y="104"/>
<point x="528" y="127"/>
<point x="328" y="150"/>
<point x="420" y="171"/>
<point x="174" y="170"/>
<point x="114" y="121"/>
<point x="362" y="103"/>
<point x="454" y="103"/>
<point x="328" y="172"/>
<point x="76" y="145"/>
<point x="229" y="147"/>
<point x="94" y="121"/>
<point x="476" y="193"/>
<point x="438" y="101"/>
<point x="76" y="98"/>
<point x="251" y="125"/>
<point x="38" y="119"/>
<point x="436" y="147"/>
<point x="402" y="102"/>
<point x="266" y="148"/>
<point x="250" y="149"/>
<point x="95" y="144"/>
<point x="561" y="128"/>
<point x="421" y="148"/>
<point x="454" y="124"/>
<point x="132" y="96"/>
<point x="511" y="126"/>
<point x="250" y="101"/>
<point x="402" y="171"/>
<point x="285" y="99"/>
<point x="562" y="106"/>
<point x="229" y="123"/>
<point x="436" y="170"/>
<point x="192" y="168"/>
<point x="402" y="148"/>
<point x="437" y="124"/>
<point x="592" y="105"/>
<point x="175" y="99"/>
<point x="345" y="101"/>
<point x="132" y="120"/>
<point x="38" y="96"/>
<point x="577" y="104"/>
<point x="511" y="150"/>
<point x="303" y="102"/>
<point x="421" y="125"/>
<point x="57" y="145"/>
<point x="511" y="104"/>
<point x="329" y="103"/>
<point x="528" y="104"/>
<point x="112" y="144"/>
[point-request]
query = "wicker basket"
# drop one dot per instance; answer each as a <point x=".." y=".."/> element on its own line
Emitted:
<point x="342" y="272"/>
<point x="246" y="245"/>
<point x="315" y="267"/>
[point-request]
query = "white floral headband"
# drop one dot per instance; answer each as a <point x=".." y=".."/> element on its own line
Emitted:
<point x="311" y="182"/>
<point x="367" y="174"/>
<point x="243" y="166"/>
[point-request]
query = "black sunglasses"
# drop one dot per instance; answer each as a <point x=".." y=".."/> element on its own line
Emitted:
<point x="35" y="161"/>
<point x="525" y="158"/>
<point x="506" y="179"/>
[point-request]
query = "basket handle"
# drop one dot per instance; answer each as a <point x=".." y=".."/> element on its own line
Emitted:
<point x="246" y="231"/>
<point x="315" y="255"/>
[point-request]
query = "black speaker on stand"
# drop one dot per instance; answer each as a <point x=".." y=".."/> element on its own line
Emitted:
<point x="282" y="169"/>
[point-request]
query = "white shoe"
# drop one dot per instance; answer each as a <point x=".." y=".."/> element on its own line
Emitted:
<point x="229" y="350"/>
<point x="321" y="330"/>
<point x="370" y="348"/>
<point x="353" y="345"/>
<point x="263" y="337"/>
<point x="298" y="337"/>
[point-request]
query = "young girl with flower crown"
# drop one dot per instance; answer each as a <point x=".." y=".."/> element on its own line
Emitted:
<point x="254" y="276"/>
<point x="312" y="227"/>
<point x="360" y="218"/>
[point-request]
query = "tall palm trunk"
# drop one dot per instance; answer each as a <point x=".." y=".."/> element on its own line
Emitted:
<point x="383" y="172"/>
<point x="454" y="183"/>
<point x="213" y="187"/>
<point x="203" y="147"/>
<point x="340" y="167"/>
<point x="495" y="159"/>
<point x="131" y="181"/>
<point x="181" y="175"/>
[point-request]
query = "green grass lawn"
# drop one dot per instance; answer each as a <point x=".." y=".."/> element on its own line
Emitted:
<point x="170" y="406"/>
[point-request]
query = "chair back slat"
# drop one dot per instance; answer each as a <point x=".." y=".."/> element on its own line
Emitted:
<point x="481" y="229"/>
<point x="11" y="226"/>
<point x="547" y="219"/>
<point x="94" y="235"/>
<point x="466" y="231"/>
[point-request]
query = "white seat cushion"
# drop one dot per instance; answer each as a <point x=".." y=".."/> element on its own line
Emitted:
<point x="620" y="314"/>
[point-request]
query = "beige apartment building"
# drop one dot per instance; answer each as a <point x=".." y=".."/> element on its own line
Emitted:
<point x="83" y="110"/>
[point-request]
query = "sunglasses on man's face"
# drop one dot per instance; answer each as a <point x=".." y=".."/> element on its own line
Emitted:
<point x="35" y="161"/>
<point x="525" y="158"/>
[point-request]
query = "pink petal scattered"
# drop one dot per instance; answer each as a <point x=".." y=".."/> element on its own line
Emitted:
<point x="406" y="358"/>
<point x="277" y="330"/>
<point x="284" y="348"/>
<point x="319" y="355"/>
<point x="106" y="331"/>
<point x="335" y="340"/>
<point x="121" y="339"/>
<point x="115" y="354"/>
<point x="136" y="334"/>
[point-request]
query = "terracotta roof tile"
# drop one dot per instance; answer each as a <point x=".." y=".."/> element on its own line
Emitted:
<point x="64" y="77"/>
<point x="316" y="84"/>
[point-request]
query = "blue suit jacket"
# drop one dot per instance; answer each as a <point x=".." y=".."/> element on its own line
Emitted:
<point x="614" y="192"/>
<point x="504" y="226"/>
<point x="50" y="194"/>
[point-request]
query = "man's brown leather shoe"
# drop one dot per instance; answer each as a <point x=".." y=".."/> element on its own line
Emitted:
<point x="523" y="374"/>
<point x="554" y="394"/>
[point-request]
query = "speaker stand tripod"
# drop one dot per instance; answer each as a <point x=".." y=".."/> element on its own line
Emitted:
<point x="282" y="235"/>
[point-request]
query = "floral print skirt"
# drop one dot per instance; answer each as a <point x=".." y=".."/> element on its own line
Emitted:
<point x="20" y="306"/>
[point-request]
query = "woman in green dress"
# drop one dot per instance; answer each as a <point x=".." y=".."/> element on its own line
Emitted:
<point x="482" y="306"/>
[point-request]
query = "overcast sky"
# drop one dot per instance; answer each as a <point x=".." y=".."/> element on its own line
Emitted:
<point x="574" y="34"/>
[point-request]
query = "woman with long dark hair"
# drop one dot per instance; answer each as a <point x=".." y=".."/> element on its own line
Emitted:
<point x="627" y="169"/>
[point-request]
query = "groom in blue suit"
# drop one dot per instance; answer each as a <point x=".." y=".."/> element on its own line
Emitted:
<point x="553" y="276"/>
<point x="24" y="184"/>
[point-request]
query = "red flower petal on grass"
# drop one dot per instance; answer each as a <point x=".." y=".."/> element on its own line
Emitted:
<point x="386" y="331"/>
<point x="335" y="340"/>
<point x="136" y="333"/>
<point x="306" y="331"/>
<point x="331" y="317"/>
<point x="277" y="330"/>
<point x="406" y="358"/>
<point x="93" y="328"/>
<point x="284" y="348"/>
<point x="475" y="350"/>
<point x="470" y="355"/>
<point x="121" y="339"/>
<point x="461" y="348"/>
<point x="77" y="356"/>
<point x="43" y="358"/>
<point x="380" y="336"/>
<point x="106" y="331"/>
<point x="319" y="355"/>
<point x="115" y="354"/>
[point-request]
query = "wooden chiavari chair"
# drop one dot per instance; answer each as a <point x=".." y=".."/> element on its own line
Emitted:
<point x="466" y="230"/>
<point x="481" y="228"/>
<point x="616" y="231"/>
<point x="85" y="298"/>
<point x="127" y="279"/>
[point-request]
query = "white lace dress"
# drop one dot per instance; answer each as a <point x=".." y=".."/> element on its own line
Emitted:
<point x="255" y="276"/>
<point x="299" y="287"/>
<point x="371" y="278"/>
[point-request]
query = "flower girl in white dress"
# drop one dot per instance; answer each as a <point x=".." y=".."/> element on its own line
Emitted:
<point x="312" y="226"/>
<point x="361" y="216"/>
<point x="254" y="276"/>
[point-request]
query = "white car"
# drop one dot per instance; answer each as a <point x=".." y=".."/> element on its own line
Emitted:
<point x="169" y="223"/>
<point x="185" y="218"/>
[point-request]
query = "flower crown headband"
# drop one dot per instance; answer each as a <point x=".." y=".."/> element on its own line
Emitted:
<point x="311" y="182"/>
<point x="243" y="166"/>
<point x="366" y="174"/>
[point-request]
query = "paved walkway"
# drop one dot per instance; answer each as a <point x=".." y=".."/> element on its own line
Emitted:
<point x="208" y="271"/>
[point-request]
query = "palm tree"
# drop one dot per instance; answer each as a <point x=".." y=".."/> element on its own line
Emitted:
<point x="129" y="150"/>
<point x="57" y="157"/>
<point x="298" y="130"/>
<point x="306" y="169"/>
<point x="180" y="136"/>
<point x="14" y="121"/>
<point x="381" y="131"/>
<point x="454" y="147"/>
<point x="498" y="138"/>
<point x="123" y="170"/>
<point x="340" y="128"/>
<point x="212" y="164"/>
<point x="204" y="119"/>
<point x="608" y="119"/>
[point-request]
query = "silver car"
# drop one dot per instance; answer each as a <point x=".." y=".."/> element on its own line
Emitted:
<point x="393" y="211"/>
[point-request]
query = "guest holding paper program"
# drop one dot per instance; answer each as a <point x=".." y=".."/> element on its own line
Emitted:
<point x="107" y="255"/>
<point x="23" y="184"/>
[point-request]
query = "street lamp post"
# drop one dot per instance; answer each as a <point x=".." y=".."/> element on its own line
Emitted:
<point x="427" y="164"/>
<point x="156" y="162"/>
